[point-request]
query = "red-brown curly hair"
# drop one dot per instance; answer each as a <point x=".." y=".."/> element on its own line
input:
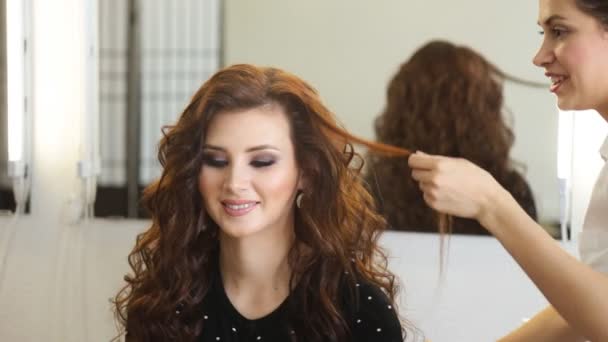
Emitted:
<point x="172" y="261"/>
<point x="445" y="100"/>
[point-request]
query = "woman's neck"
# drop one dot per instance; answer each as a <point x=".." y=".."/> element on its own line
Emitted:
<point x="255" y="270"/>
<point x="256" y="260"/>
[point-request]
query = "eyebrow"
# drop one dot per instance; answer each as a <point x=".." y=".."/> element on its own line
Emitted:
<point x="552" y="18"/>
<point x="250" y="149"/>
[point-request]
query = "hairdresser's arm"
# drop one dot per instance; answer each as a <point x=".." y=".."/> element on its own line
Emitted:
<point x="458" y="187"/>
<point x="546" y="326"/>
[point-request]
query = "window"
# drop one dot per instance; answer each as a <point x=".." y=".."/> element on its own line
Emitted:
<point x="154" y="55"/>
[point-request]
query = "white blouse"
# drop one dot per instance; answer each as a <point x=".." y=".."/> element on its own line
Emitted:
<point x="593" y="241"/>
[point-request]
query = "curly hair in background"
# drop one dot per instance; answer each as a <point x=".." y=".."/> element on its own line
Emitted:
<point x="172" y="261"/>
<point x="445" y="100"/>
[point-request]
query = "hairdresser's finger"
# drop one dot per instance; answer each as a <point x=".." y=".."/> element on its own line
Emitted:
<point x="430" y="200"/>
<point x="420" y="160"/>
<point x="427" y="189"/>
<point x="423" y="187"/>
<point x="421" y="175"/>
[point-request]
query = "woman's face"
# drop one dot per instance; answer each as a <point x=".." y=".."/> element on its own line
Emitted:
<point x="574" y="54"/>
<point x="249" y="176"/>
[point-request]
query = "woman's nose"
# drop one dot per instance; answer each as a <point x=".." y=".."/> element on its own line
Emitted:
<point x="238" y="179"/>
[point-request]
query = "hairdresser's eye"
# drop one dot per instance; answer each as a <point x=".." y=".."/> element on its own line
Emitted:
<point x="214" y="161"/>
<point x="555" y="32"/>
<point x="558" y="32"/>
<point x="262" y="162"/>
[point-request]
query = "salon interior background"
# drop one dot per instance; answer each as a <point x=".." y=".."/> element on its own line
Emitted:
<point x="348" y="50"/>
<point x="175" y="46"/>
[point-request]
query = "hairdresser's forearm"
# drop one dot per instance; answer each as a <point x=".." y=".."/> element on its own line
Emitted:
<point x="577" y="292"/>
<point x="546" y="326"/>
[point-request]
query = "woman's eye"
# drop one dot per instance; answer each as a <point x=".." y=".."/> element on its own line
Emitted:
<point x="214" y="161"/>
<point x="558" y="32"/>
<point x="262" y="162"/>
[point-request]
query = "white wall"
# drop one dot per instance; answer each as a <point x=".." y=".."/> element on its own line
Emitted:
<point x="59" y="279"/>
<point x="482" y="295"/>
<point x="349" y="50"/>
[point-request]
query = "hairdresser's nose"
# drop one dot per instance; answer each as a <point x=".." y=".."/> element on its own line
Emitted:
<point x="545" y="55"/>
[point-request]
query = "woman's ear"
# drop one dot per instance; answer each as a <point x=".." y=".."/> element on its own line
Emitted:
<point x="302" y="181"/>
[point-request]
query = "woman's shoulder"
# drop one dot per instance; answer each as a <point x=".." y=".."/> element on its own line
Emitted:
<point x="372" y="315"/>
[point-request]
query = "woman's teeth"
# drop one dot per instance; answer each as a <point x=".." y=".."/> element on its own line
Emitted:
<point x="240" y="206"/>
<point x="557" y="79"/>
<point x="556" y="82"/>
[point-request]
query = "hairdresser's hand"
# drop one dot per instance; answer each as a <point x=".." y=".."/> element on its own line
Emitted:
<point x="456" y="186"/>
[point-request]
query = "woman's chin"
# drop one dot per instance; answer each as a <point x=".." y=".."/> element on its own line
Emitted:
<point x="239" y="232"/>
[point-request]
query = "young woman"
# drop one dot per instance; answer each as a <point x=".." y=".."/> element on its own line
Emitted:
<point x="574" y="55"/>
<point x="441" y="94"/>
<point x="262" y="229"/>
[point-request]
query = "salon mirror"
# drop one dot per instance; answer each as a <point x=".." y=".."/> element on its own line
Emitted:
<point x="347" y="50"/>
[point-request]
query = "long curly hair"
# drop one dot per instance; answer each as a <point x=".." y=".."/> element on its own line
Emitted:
<point x="173" y="260"/>
<point x="445" y="100"/>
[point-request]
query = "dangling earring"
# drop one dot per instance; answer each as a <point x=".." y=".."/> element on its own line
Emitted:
<point x="299" y="199"/>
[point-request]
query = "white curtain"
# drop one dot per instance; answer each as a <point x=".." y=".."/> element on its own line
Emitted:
<point x="180" y="49"/>
<point x="113" y="90"/>
<point x="4" y="181"/>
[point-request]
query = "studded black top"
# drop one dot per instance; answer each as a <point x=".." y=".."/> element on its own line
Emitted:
<point x="372" y="319"/>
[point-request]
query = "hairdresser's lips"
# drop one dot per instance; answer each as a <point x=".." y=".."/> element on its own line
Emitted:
<point x="557" y="81"/>
<point x="238" y="207"/>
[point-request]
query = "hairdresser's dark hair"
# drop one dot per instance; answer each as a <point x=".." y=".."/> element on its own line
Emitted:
<point x="172" y="262"/>
<point x="595" y="8"/>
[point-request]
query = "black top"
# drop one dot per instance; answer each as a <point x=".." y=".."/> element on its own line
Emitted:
<point x="374" y="319"/>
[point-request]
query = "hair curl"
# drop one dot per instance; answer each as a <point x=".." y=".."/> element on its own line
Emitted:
<point x="445" y="100"/>
<point x="172" y="261"/>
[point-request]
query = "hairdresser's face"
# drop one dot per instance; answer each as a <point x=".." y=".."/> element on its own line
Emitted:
<point x="249" y="176"/>
<point x="574" y="54"/>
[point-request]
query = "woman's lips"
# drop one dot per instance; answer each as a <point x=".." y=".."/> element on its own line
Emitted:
<point x="238" y="208"/>
<point x="555" y="86"/>
<point x="556" y="82"/>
